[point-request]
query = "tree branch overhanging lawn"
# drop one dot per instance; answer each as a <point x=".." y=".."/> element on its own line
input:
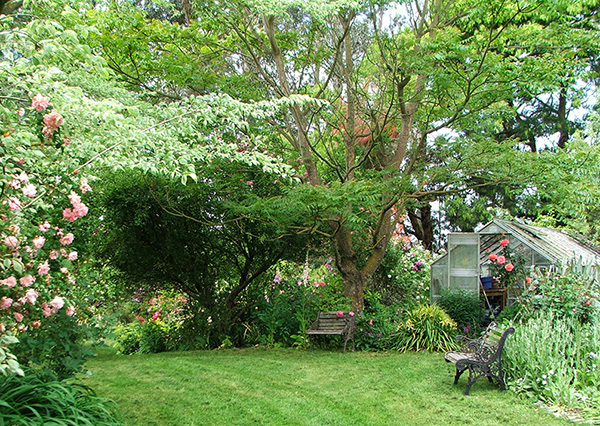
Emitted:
<point x="295" y="387"/>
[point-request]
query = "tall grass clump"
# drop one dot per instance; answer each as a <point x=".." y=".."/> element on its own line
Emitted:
<point x="42" y="399"/>
<point x="425" y="328"/>
<point x="554" y="358"/>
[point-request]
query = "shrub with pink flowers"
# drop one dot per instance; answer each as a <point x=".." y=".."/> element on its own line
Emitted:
<point x="36" y="248"/>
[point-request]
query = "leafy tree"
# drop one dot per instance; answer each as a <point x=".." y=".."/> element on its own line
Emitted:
<point x="412" y="108"/>
<point x="197" y="237"/>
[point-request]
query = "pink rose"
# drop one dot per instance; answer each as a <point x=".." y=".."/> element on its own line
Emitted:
<point x="14" y="203"/>
<point x="35" y="324"/>
<point x="504" y="242"/>
<point x="509" y="267"/>
<point x="340" y="314"/>
<point x="72" y="256"/>
<point x="45" y="227"/>
<point x="528" y="280"/>
<point x="43" y="269"/>
<point x="18" y="316"/>
<point x="493" y="257"/>
<point x="57" y="302"/>
<point x="501" y="260"/>
<point x="11" y="242"/>
<point x="70" y="311"/>
<point x="10" y="282"/>
<point x="5" y="302"/>
<point x="67" y="239"/>
<point x="31" y="296"/>
<point x="39" y="102"/>
<point x="83" y="186"/>
<point x="351" y="313"/>
<point x="21" y="112"/>
<point x="53" y="119"/>
<point x="29" y="190"/>
<point x="155" y="316"/>
<point x="53" y="255"/>
<point x="38" y="242"/>
<point x="46" y="310"/>
<point x="27" y="280"/>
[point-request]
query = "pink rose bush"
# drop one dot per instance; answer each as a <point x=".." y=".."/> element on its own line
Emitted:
<point x="508" y="267"/>
<point x="35" y="275"/>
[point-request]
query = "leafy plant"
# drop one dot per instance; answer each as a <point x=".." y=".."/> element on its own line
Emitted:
<point x="554" y="358"/>
<point x="426" y="328"/>
<point x="43" y="399"/>
<point x="465" y="308"/>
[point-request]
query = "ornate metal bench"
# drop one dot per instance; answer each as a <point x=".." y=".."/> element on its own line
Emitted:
<point x="333" y="323"/>
<point x="482" y="357"/>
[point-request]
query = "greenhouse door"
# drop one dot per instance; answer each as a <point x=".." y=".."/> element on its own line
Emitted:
<point x="463" y="261"/>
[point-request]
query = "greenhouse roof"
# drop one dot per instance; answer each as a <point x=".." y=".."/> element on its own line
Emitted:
<point x="556" y="245"/>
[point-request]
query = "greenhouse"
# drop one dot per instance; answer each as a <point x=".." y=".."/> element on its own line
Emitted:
<point x="470" y="261"/>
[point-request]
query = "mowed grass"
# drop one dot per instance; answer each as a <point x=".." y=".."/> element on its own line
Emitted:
<point x="297" y="387"/>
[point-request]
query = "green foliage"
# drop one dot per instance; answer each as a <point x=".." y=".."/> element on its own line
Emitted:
<point x="567" y="295"/>
<point x="465" y="308"/>
<point x="426" y="328"/>
<point x="509" y="314"/>
<point x="8" y="361"/>
<point x="376" y="325"/>
<point x="61" y="346"/>
<point x="43" y="399"/>
<point x="404" y="275"/>
<point x="554" y="358"/>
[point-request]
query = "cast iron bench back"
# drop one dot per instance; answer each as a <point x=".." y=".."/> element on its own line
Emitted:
<point x="330" y="323"/>
<point x="482" y="357"/>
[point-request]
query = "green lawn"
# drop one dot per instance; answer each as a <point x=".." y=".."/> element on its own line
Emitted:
<point x="297" y="387"/>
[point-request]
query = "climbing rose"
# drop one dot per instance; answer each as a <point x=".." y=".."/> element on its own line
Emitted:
<point x="67" y="239"/>
<point x="31" y="296"/>
<point x="53" y="119"/>
<point x="57" y="302"/>
<point x="14" y="203"/>
<point x="501" y="260"/>
<point x="27" y="280"/>
<point x="9" y="282"/>
<point x="72" y="256"/>
<point x="509" y="267"/>
<point x="493" y="257"/>
<point x="38" y="242"/>
<point x="39" y="102"/>
<point x="504" y="242"/>
<point x="11" y="242"/>
<point x="5" y="302"/>
<point x="44" y="268"/>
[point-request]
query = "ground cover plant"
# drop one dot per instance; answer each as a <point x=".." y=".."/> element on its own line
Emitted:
<point x="298" y="387"/>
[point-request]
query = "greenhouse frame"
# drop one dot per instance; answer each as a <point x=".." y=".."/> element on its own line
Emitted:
<point x="466" y="262"/>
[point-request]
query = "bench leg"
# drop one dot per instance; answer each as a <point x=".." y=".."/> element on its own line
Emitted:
<point x="458" y="373"/>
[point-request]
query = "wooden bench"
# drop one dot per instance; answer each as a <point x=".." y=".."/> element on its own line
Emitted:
<point x="482" y="357"/>
<point x="335" y="324"/>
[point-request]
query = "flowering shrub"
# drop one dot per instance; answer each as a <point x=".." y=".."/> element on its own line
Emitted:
<point x="36" y="252"/>
<point x="404" y="275"/>
<point x="565" y="295"/>
<point x="507" y="266"/>
<point x="376" y="325"/>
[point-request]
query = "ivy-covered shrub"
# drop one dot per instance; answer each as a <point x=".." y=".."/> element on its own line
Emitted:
<point x="465" y="308"/>
<point x="425" y="328"/>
